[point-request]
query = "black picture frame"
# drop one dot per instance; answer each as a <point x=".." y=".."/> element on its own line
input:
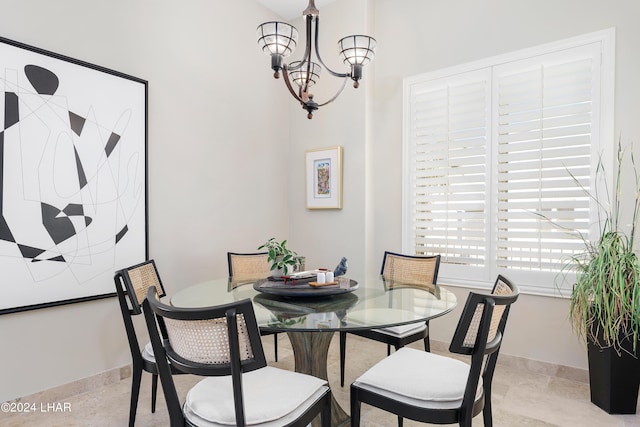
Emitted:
<point x="73" y="177"/>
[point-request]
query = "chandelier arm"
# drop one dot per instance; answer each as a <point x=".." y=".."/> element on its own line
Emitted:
<point x="285" y="74"/>
<point x="333" y="73"/>
<point x="344" y="84"/>
<point x="308" y="78"/>
<point x="307" y="50"/>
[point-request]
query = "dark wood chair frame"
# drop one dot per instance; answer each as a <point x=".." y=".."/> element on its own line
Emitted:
<point x="130" y="307"/>
<point x="155" y="313"/>
<point x="275" y="334"/>
<point x="390" y="340"/>
<point x="470" y="406"/>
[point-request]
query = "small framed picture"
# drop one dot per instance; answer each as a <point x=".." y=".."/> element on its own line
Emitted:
<point x="324" y="178"/>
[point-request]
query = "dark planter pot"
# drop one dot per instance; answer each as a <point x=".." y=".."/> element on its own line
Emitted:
<point x="614" y="379"/>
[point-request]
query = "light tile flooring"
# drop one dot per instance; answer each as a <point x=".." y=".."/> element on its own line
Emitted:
<point x="521" y="397"/>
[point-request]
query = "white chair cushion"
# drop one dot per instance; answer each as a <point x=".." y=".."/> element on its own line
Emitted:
<point x="147" y="353"/>
<point x="421" y="378"/>
<point x="379" y="316"/>
<point x="271" y="397"/>
<point x="403" y="330"/>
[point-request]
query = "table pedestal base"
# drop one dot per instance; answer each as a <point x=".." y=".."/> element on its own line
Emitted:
<point x="310" y="350"/>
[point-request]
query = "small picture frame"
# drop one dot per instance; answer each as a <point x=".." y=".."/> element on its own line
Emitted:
<point x="324" y="178"/>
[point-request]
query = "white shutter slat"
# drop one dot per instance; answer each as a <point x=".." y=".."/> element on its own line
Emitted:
<point x="469" y="216"/>
<point x="561" y="163"/>
<point x="507" y="158"/>
<point x="527" y="145"/>
<point x="568" y="186"/>
<point x="569" y="214"/>
<point x="520" y="197"/>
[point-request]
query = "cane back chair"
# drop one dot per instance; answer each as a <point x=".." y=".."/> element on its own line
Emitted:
<point x="131" y="287"/>
<point x="222" y="343"/>
<point x="399" y="269"/>
<point x="436" y="389"/>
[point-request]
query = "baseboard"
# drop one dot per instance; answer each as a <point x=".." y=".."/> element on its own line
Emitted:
<point x="535" y="366"/>
<point x="60" y="393"/>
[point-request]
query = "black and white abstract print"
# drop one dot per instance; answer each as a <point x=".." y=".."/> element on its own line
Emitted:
<point x="73" y="178"/>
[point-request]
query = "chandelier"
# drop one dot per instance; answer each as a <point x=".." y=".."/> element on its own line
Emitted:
<point x="279" y="40"/>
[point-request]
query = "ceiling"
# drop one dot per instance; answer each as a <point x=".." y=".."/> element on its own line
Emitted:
<point x="290" y="9"/>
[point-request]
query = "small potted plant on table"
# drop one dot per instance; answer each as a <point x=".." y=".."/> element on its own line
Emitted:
<point x="283" y="260"/>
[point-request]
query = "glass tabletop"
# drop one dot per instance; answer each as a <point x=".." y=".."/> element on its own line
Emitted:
<point x="375" y="303"/>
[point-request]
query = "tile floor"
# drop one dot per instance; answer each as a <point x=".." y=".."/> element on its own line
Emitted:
<point x="521" y="397"/>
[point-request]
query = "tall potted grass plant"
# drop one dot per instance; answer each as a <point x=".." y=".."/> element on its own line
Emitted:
<point x="605" y="299"/>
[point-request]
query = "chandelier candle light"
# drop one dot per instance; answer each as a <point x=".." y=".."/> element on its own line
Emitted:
<point x="279" y="40"/>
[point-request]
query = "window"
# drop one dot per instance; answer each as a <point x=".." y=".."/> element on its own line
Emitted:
<point x="491" y="146"/>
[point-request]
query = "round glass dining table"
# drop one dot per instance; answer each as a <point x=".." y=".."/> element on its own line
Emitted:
<point x="311" y="315"/>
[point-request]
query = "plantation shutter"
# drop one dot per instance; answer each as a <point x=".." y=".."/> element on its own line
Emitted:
<point x="544" y="125"/>
<point x="499" y="156"/>
<point x="448" y="138"/>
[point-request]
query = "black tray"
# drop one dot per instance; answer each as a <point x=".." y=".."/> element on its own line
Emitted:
<point x="300" y="288"/>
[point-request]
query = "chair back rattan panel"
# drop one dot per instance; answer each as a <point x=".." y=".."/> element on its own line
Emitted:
<point x="249" y="266"/>
<point x="198" y="340"/>
<point x="141" y="277"/>
<point x="411" y="270"/>
<point x="207" y="341"/>
<point x="465" y="337"/>
<point x="501" y="287"/>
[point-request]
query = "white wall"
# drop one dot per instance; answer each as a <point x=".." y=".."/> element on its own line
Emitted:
<point x="417" y="36"/>
<point x="218" y="155"/>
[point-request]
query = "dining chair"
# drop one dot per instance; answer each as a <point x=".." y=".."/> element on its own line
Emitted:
<point x="410" y="270"/>
<point x="248" y="267"/>
<point x="222" y="343"/>
<point x="131" y="287"/>
<point x="437" y="389"/>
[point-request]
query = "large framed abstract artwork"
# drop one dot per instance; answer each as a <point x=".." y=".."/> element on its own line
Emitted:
<point x="324" y="178"/>
<point x="73" y="178"/>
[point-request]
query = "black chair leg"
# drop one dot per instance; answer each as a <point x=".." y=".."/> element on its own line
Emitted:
<point x="427" y="342"/>
<point x="388" y="349"/>
<point x="136" y="378"/>
<point x="400" y="421"/>
<point x="275" y="345"/>
<point x="486" y="411"/>
<point x="154" y="392"/>
<point x="355" y="408"/>
<point x="326" y="414"/>
<point x="343" y="350"/>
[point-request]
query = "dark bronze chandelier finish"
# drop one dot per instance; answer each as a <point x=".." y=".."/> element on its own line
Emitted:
<point x="279" y="40"/>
